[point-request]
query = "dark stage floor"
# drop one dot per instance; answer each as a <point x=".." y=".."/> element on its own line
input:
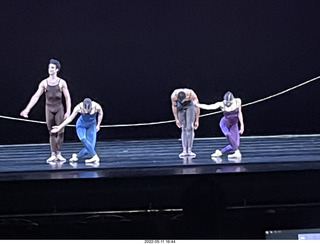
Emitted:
<point x="142" y="190"/>
<point x="127" y="158"/>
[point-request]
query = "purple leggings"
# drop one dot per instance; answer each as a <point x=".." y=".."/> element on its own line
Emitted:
<point x="231" y="131"/>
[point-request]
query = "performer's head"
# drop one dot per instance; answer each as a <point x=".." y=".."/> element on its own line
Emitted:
<point x="87" y="105"/>
<point x="56" y="63"/>
<point x="228" y="99"/>
<point x="181" y="96"/>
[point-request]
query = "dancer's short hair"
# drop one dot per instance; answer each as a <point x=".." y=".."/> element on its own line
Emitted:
<point x="55" y="62"/>
<point x="181" y="96"/>
<point x="87" y="103"/>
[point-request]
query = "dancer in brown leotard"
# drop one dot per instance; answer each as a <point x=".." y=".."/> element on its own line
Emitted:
<point x="54" y="87"/>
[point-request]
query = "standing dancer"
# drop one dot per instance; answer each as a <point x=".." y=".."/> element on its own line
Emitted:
<point x="186" y="116"/>
<point x="54" y="87"/>
<point x="231" y="108"/>
<point x="87" y="127"/>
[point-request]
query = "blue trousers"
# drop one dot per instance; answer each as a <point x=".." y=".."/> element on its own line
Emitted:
<point x="88" y="137"/>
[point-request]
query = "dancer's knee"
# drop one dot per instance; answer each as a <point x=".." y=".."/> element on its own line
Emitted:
<point x="189" y="128"/>
<point x="83" y="140"/>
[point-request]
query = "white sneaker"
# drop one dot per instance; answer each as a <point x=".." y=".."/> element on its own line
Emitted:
<point x="60" y="158"/>
<point x="217" y="153"/>
<point x="95" y="158"/>
<point x="52" y="158"/>
<point x="74" y="158"/>
<point x="236" y="154"/>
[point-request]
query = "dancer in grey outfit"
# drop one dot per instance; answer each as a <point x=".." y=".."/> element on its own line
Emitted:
<point x="186" y="115"/>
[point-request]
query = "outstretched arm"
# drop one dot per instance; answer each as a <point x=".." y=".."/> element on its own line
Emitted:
<point x="34" y="99"/>
<point x="210" y="106"/>
<point x="57" y="128"/>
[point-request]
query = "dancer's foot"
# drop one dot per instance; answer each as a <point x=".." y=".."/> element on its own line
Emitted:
<point x="236" y="154"/>
<point x="60" y="158"/>
<point x="217" y="153"/>
<point x="95" y="158"/>
<point x="183" y="154"/>
<point x="52" y="158"/>
<point x="191" y="154"/>
<point x="74" y="158"/>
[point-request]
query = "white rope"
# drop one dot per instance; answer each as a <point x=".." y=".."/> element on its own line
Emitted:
<point x="20" y="119"/>
<point x="170" y="121"/>
<point x="272" y="96"/>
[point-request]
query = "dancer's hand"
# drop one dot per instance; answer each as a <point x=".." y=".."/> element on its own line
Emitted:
<point x="66" y="115"/>
<point x="24" y="113"/>
<point x="97" y="128"/>
<point x="196" y="125"/>
<point x="178" y="123"/>
<point x="55" y="129"/>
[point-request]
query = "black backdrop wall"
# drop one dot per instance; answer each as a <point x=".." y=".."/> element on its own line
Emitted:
<point x="130" y="55"/>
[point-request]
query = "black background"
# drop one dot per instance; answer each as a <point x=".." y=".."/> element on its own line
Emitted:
<point x="129" y="55"/>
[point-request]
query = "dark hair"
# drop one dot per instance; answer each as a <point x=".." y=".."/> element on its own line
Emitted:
<point x="87" y="103"/>
<point x="181" y="96"/>
<point x="55" y="62"/>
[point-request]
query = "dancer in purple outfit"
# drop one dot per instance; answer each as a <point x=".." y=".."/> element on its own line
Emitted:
<point x="231" y="108"/>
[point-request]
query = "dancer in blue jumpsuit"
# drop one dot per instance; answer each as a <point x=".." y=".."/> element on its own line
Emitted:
<point x="232" y="116"/>
<point x="87" y="126"/>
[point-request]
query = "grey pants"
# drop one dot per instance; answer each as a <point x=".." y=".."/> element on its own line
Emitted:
<point x="186" y="118"/>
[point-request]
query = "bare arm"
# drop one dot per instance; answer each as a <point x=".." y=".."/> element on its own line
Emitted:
<point x="210" y="106"/>
<point x="174" y="109"/>
<point x="100" y="116"/>
<point x="195" y="100"/>
<point x="75" y="111"/>
<point x="34" y="99"/>
<point x="67" y="97"/>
